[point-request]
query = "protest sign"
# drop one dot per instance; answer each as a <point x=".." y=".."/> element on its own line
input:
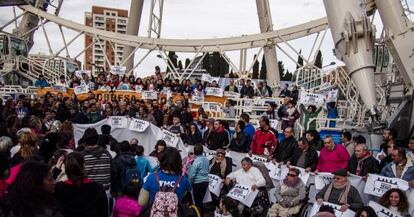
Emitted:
<point x="382" y="211"/>
<point x="332" y="96"/>
<point x="335" y="207"/>
<point x="170" y="138"/>
<point x="377" y="185"/>
<point x="79" y="73"/>
<point x="322" y="179"/>
<point x="149" y="95"/>
<point x="118" y="70"/>
<point x="243" y="194"/>
<point x="231" y="95"/>
<point x="215" y="184"/>
<point x="257" y="158"/>
<point x="118" y="122"/>
<point x="59" y="88"/>
<point x="273" y="123"/>
<point x="210" y="154"/>
<point x="138" y="125"/>
<point x="208" y="78"/>
<point x="214" y="91"/>
<point x="81" y="89"/>
<point x="311" y="99"/>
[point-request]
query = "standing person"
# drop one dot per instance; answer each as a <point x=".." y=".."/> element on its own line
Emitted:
<point x="285" y="92"/>
<point x="198" y="176"/>
<point x="264" y="140"/>
<point x="285" y="150"/>
<point x="362" y="162"/>
<point x="410" y="153"/>
<point x="314" y="139"/>
<point x="309" y="115"/>
<point x="240" y="141"/>
<point x="231" y="87"/>
<point x="127" y="205"/>
<point x="160" y="147"/>
<point x="290" y="116"/>
<point x="396" y="201"/>
<point x="220" y="137"/>
<point x="347" y="142"/>
<point x="123" y="163"/>
<point x="143" y="164"/>
<point x="249" y="128"/>
<point x="332" y="156"/>
<point x="366" y="211"/>
<point x="221" y="165"/>
<point x="80" y="196"/>
<point x="31" y="194"/>
<point x="400" y="167"/>
<point x="41" y="82"/>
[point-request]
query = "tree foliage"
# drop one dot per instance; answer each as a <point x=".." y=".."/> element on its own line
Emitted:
<point x="256" y="65"/>
<point x="263" y="70"/>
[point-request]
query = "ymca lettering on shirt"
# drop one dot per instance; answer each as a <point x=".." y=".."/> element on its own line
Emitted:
<point x="169" y="184"/>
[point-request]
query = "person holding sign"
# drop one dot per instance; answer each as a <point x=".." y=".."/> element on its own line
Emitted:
<point x="304" y="156"/>
<point x="362" y="162"/>
<point x="221" y="165"/>
<point x="264" y="140"/>
<point x="396" y="201"/>
<point x="289" y="194"/>
<point x="310" y="113"/>
<point x="400" y="166"/>
<point x="332" y="157"/>
<point x="231" y="87"/>
<point x="340" y="191"/>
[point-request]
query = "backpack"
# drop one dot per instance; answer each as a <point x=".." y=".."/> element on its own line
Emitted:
<point x="132" y="175"/>
<point x="165" y="202"/>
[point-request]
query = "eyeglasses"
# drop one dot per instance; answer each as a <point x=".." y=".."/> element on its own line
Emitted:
<point x="292" y="175"/>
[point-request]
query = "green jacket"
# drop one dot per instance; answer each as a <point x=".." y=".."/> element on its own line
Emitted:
<point x="307" y="116"/>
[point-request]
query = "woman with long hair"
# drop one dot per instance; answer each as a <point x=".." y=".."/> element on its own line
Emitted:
<point x="80" y="196"/>
<point x="26" y="148"/>
<point x="366" y="211"/>
<point x="395" y="200"/>
<point x="193" y="135"/>
<point x="31" y="194"/>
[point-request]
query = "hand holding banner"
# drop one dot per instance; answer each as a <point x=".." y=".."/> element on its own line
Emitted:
<point x="214" y="91"/>
<point x="323" y="179"/>
<point x="311" y="99"/>
<point x="81" y="89"/>
<point x="244" y="194"/>
<point x="118" y="70"/>
<point x="149" y="95"/>
<point x="138" y="125"/>
<point x="377" y="185"/>
<point x="208" y="78"/>
<point x="215" y="184"/>
<point x="170" y="138"/>
<point x="382" y="211"/>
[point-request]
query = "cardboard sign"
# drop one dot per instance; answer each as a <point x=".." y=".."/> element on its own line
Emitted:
<point x="347" y="213"/>
<point x="231" y="95"/>
<point x="208" y="78"/>
<point x="118" y="70"/>
<point x="214" y="91"/>
<point x="311" y="99"/>
<point x="170" y="138"/>
<point x="138" y="125"/>
<point x="118" y="122"/>
<point x="149" y="95"/>
<point x="215" y="184"/>
<point x="243" y="194"/>
<point x="382" y="211"/>
<point x="377" y="185"/>
<point x="82" y="89"/>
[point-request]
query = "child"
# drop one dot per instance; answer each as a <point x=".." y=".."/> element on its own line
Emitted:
<point x="226" y="208"/>
<point x="127" y="205"/>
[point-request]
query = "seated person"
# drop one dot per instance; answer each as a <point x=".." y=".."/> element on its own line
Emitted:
<point x="240" y="141"/>
<point x="340" y="192"/>
<point x="396" y="201"/>
<point x="332" y="157"/>
<point x="362" y="162"/>
<point x="305" y="156"/>
<point x="400" y="167"/>
<point x="221" y="165"/>
<point x="289" y="194"/>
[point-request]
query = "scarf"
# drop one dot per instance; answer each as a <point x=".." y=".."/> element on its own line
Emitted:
<point x="360" y="164"/>
<point x="223" y="166"/>
<point x="343" y="198"/>
<point x="292" y="183"/>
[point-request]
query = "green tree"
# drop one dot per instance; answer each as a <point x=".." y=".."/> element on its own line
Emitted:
<point x="281" y="70"/>
<point x="173" y="58"/>
<point x="206" y="62"/>
<point x="215" y="64"/>
<point x="256" y="65"/>
<point x="180" y="65"/>
<point x="187" y="62"/>
<point x="263" y="70"/>
<point x="300" y="60"/>
<point x="318" y="60"/>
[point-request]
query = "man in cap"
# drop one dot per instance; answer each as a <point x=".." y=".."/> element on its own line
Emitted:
<point x="341" y="192"/>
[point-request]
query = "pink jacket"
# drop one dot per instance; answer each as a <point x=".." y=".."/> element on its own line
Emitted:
<point x="331" y="161"/>
<point x="126" y="207"/>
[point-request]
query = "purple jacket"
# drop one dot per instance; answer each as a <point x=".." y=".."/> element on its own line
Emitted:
<point x="126" y="207"/>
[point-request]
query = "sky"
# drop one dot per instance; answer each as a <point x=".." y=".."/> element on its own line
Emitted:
<point x="193" y="19"/>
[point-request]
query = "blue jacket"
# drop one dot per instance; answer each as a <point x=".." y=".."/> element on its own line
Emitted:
<point x="143" y="166"/>
<point x="407" y="174"/>
<point x="199" y="170"/>
<point x="249" y="130"/>
<point x="41" y="83"/>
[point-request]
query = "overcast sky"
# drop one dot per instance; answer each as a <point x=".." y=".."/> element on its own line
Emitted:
<point x="190" y="19"/>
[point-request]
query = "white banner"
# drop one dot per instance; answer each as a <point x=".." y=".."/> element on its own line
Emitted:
<point x="231" y="95"/>
<point x="244" y="194"/>
<point x="118" y="70"/>
<point x="81" y="89"/>
<point x="214" y="91"/>
<point x="257" y="158"/>
<point x="59" y="88"/>
<point x="347" y="213"/>
<point x="322" y="179"/>
<point x="138" y="125"/>
<point x="274" y="123"/>
<point x="170" y="138"/>
<point x="332" y="96"/>
<point x="118" y="122"/>
<point x="79" y="73"/>
<point x="149" y="95"/>
<point x="377" y="185"/>
<point x="382" y="211"/>
<point x="208" y="78"/>
<point x="215" y="184"/>
<point x="311" y="99"/>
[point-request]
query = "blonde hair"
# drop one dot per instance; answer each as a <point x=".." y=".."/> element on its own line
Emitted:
<point x="28" y="144"/>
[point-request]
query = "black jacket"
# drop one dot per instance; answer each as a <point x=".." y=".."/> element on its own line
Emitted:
<point x="311" y="158"/>
<point x="219" y="140"/>
<point x="240" y="143"/>
<point x="369" y="165"/>
<point x="285" y="149"/>
<point x="215" y="168"/>
<point x="193" y="139"/>
<point x="120" y="165"/>
<point x="227" y="88"/>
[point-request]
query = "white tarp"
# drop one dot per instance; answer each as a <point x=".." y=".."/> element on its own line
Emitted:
<point x="377" y="185"/>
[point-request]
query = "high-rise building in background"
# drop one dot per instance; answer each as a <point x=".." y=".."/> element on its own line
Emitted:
<point x="109" y="19"/>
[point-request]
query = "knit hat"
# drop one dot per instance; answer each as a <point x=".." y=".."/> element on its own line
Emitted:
<point x="340" y="172"/>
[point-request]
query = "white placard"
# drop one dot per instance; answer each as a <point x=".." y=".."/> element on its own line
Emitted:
<point x="257" y="158"/>
<point x="208" y="78"/>
<point x="79" y="73"/>
<point x="323" y="179"/>
<point x="215" y="184"/>
<point x="276" y="172"/>
<point x="138" y="125"/>
<point x="377" y="185"/>
<point x="231" y="95"/>
<point x="118" y="70"/>
<point x="311" y="99"/>
<point x="149" y="95"/>
<point x="170" y="138"/>
<point x="214" y="91"/>
<point x="59" y="88"/>
<point x="243" y="194"/>
<point x="118" y="122"/>
<point x="382" y="211"/>
<point x="207" y="197"/>
<point x="81" y="89"/>
<point x="304" y="176"/>
<point x="347" y="213"/>
<point x="273" y="123"/>
<point x="210" y="154"/>
<point x="332" y="96"/>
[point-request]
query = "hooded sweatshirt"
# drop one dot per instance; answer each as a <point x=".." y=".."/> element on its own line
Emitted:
<point x="98" y="165"/>
<point x="120" y="165"/>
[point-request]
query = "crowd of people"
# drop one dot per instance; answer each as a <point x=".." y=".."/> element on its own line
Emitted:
<point x="43" y="172"/>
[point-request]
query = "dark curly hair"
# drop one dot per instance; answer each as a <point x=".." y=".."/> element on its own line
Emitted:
<point x="402" y="205"/>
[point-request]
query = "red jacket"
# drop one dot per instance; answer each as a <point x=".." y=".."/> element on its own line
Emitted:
<point x="261" y="139"/>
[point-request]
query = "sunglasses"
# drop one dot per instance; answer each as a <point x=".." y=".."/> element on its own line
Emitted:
<point x="292" y="175"/>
